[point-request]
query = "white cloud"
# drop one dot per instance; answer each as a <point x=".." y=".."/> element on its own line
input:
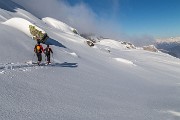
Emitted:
<point x="141" y="40"/>
<point x="79" y="16"/>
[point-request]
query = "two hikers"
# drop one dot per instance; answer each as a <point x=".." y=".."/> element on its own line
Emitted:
<point x="38" y="49"/>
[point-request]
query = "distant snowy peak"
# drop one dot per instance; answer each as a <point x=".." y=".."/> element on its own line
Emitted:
<point x="169" y="45"/>
<point x="168" y="40"/>
<point x="54" y="23"/>
<point x="172" y="48"/>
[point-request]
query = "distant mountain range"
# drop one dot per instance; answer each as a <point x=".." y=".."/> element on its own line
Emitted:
<point x="169" y="45"/>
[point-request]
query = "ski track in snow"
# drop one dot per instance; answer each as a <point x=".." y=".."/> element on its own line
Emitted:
<point x="17" y="66"/>
<point x="28" y="66"/>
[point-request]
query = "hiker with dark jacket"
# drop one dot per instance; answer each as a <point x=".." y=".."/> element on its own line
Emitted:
<point x="48" y="52"/>
<point x="38" y="49"/>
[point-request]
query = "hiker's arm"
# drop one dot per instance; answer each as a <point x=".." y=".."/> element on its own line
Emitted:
<point x="35" y="49"/>
<point x="42" y="49"/>
<point x="51" y="50"/>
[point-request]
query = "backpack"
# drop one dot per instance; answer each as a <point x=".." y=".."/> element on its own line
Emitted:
<point x="48" y="50"/>
<point x="37" y="49"/>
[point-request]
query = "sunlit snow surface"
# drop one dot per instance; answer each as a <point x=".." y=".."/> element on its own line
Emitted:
<point x="105" y="82"/>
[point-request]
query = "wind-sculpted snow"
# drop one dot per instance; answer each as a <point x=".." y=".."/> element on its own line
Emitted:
<point x="106" y="82"/>
<point x="21" y="24"/>
<point x="124" y="61"/>
<point x="174" y="113"/>
<point x="112" y="44"/>
<point x="58" y="25"/>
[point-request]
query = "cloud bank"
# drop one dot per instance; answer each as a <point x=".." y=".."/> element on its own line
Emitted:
<point x="79" y="16"/>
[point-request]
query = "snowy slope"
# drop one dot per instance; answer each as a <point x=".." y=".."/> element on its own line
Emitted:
<point x="84" y="83"/>
<point x="58" y="25"/>
<point x="21" y="25"/>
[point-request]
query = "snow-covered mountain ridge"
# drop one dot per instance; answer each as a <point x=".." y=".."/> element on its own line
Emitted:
<point x="169" y="45"/>
<point x="83" y="83"/>
<point x="168" y="40"/>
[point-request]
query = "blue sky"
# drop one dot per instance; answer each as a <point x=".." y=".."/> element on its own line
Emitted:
<point x="159" y="18"/>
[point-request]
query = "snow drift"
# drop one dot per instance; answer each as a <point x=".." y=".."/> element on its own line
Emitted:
<point x="21" y="25"/>
<point x="59" y="25"/>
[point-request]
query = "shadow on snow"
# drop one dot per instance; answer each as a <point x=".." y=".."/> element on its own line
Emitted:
<point x="51" y="41"/>
<point x="65" y="64"/>
<point x="9" y="5"/>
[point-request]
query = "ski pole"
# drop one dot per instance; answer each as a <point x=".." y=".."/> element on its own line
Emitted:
<point x="45" y="57"/>
<point x="53" y="57"/>
<point x="33" y="57"/>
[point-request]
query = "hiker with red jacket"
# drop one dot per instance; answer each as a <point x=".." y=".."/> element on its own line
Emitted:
<point x="48" y="52"/>
<point x="38" y="49"/>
